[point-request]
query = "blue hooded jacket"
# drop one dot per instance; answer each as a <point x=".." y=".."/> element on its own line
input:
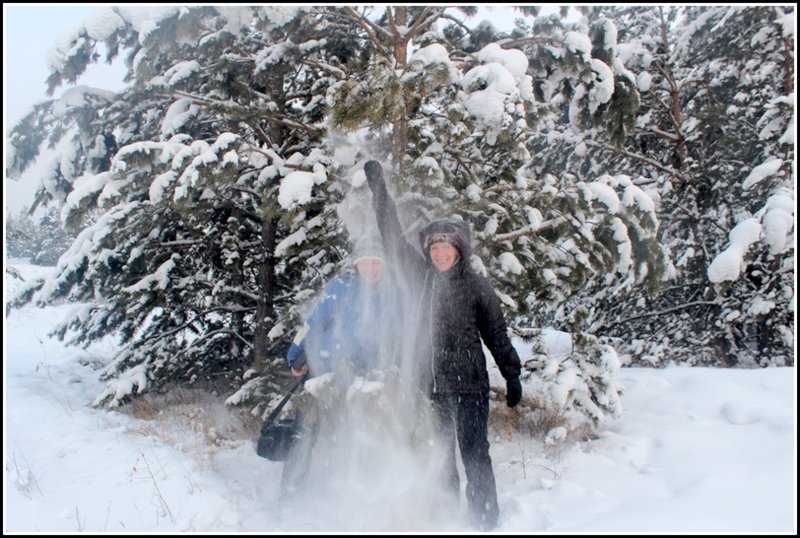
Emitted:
<point x="353" y="321"/>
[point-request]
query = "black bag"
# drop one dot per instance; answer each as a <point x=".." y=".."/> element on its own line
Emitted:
<point x="278" y="438"/>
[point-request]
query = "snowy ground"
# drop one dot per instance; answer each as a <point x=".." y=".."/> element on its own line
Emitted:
<point x="697" y="450"/>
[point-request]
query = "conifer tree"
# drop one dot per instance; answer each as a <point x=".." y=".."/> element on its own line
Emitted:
<point x="463" y="109"/>
<point x="204" y="197"/>
<point x="713" y="145"/>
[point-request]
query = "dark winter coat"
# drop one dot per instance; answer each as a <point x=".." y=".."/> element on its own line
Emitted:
<point x="455" y="310"/>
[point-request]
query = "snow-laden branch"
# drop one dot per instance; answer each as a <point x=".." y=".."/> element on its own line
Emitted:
<point x="674" y="173"/>
<point x="211" y="334"/>
<point x="668" y="310"/>
<point x="370" y="28"/>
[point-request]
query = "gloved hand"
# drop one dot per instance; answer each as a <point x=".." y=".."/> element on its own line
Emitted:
<point x="513" y="391"/>
<point x="374" y="173"/>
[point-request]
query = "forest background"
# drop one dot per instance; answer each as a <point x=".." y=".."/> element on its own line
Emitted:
<point x="629" y="179"/>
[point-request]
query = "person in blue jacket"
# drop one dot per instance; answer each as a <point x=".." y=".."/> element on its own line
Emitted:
<point x="347" y="323"/>
<point x="349" y="331"/>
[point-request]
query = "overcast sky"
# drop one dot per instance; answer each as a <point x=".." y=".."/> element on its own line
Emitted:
<point x="29" y="33"/>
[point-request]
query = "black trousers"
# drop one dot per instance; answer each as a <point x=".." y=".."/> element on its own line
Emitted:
<point x="464" y="417"/>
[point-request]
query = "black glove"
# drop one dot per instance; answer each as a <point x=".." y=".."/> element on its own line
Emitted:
<point x="374" y="173"/>
<point x="513" y="391"/>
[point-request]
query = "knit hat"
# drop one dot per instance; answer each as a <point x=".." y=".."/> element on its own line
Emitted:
<point x="451" y="238"/>
<point x="369" y="246"/>
<point x="451" y="231"/>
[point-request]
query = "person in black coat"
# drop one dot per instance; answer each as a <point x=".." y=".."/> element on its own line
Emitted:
<point x="457" y="309"/>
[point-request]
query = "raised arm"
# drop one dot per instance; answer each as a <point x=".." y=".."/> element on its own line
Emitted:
<point x="388" y="221"/>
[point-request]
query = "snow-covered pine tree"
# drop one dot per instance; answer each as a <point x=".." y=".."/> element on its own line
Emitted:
<point x="587" y="150"/>
<point x="205" y="200"/>
<point x="583" y="225"/>
<point x="714" y="144"/>
<point x="744" y="142"/>
<point x="20" y="236"/>
<point x="465" y="111"/>
<point x="41" y="240"/>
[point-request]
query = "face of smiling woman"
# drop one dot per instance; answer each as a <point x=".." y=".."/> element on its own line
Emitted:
<point x="443" y="256"/>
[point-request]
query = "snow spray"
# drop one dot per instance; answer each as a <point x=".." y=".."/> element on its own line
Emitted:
<point x="376" y="465"/>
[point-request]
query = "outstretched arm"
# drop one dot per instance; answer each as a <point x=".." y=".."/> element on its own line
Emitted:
<point x="388" y="221"/>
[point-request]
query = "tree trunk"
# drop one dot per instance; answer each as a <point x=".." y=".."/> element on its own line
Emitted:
<point x="400" y="134"/>
<point x="265" y="307"/>
<point x="237" y="280"/>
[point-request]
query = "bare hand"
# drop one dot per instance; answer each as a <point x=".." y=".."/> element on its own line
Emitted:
<point x="301" y="372"/>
